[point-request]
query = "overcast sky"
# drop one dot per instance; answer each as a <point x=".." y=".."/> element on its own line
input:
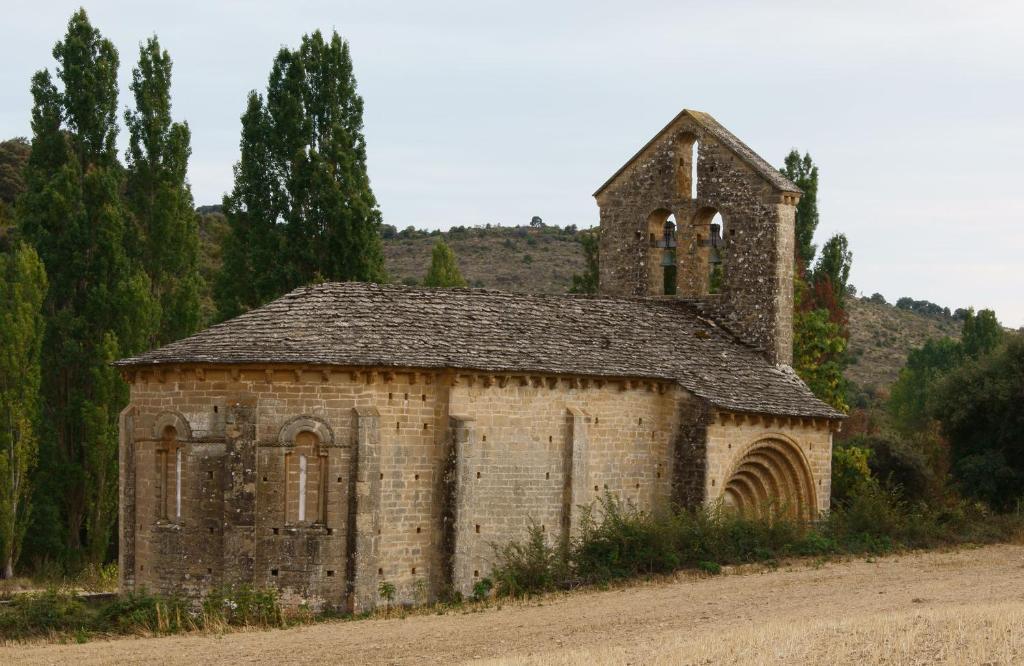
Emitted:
<point x="497" y="111"/>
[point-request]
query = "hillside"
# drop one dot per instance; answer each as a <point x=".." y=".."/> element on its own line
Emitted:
<point x="882" y="335"/>
<point x="544" y="259"/>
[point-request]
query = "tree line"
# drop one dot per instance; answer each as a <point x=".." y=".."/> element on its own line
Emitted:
<point x="100" y="257"/>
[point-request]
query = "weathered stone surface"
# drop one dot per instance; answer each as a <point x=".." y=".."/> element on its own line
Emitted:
<point x="347" y="435"/>
<point x="758" y="208"/>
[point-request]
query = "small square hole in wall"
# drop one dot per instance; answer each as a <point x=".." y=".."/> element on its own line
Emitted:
<point x="478" y="529"/>
<point x="476" y="573"/>
<point x="330" y="573"/>
<point x="658" y="475"/>
<point x="211" y="530"/>
<point x="209" y="474"/>
<point x="426" y="426"/>
<point x="418" y="530"/>
<point x="330" y="531"/>
<point x="640" y="421"/>
<point x="142" y="567"/>
<point x="276" y="531"/>
<point x="380" y="572"/>
<point x="389" y="396"/>
<point x="382" y="476"/>
<point x="550" y="439"/>
<point x="414" y="571"/>
<point x="712" y="483"/>
<point x="397" y="426"/>
<point x="209" y="570"/>
<point x="339" y="479"/>
<point x="415" y="477"/>
<point x="485" y="438"/>
<point x="478" y="475"/>
<point x="215" y="409"/>
<point x="547" y="475"/>
<point x="424" y="397"/>
<point x="596" y="489"/>
<point x="638" y="486"/>
<point x="264" y="479"/>
<point x="273" y="572"/>
<point x="406" y="396"/>
<point x="543" y="528"/>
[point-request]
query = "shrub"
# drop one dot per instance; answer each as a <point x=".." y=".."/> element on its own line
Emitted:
<point x="850" y="472"/>
<point x="530" y="566"/>
<point x="53" y="611"/>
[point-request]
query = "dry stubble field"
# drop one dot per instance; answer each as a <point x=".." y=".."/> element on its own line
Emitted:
<point x="962" y="607"/>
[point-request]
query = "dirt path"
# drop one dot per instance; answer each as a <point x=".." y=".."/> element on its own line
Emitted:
<point x="635" y="624"/>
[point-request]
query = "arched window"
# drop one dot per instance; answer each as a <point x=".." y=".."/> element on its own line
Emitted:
<point x="306" y="480"/>
<point x="661" y="232"/>
<point x="716" y="254"/>
<point x="693" y="173"/>
<point x="686" y="166"/>
<point x="170" y="475"/>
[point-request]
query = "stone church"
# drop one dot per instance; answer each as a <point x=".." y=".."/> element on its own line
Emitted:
<point x="348" y="434"/>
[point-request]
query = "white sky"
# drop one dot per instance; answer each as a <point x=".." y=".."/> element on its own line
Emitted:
<point x="497" y="111"/>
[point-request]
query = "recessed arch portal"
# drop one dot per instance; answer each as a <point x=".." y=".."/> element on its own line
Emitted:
<point x="772" y="475"/>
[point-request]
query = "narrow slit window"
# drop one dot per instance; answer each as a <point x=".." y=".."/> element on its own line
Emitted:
<point x="693" y="172"/>
<point x="177" y="483"/>
<point x="302" y="488"/>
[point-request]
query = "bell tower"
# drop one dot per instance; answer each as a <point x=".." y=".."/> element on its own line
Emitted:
<point x="698" y="216"/>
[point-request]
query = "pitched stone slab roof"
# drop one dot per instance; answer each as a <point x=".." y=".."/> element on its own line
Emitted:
<point x="358" y="325"/>
<point x="727" y="139"/>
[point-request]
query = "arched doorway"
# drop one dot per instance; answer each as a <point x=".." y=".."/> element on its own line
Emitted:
<point x="772" y="476"/>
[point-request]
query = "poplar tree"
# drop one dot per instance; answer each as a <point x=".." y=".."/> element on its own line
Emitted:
<point x="166" y="233"/>
<point x="804" y="174"/>
<point x="444" y="269"/>
<point x="302" y="208"/>
<point x="98" y="306"/>
<point x="22" y="290"/>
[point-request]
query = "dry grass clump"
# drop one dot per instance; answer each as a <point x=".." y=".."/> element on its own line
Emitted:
<point x="970" y="634"/>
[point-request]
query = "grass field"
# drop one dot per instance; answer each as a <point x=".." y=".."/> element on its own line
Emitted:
<point x="956" y="607"/>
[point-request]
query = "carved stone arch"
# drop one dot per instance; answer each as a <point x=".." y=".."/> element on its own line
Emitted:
<point x="305" y="423"/>
<point x="775" y="464"/>
<point x="176" y="420"/>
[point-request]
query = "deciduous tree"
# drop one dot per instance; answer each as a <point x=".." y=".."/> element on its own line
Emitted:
<point x="98" y="306"/>
<point x="159" y="198"/>
<point x="22" y="290"/>
<point x="444" y="269"/>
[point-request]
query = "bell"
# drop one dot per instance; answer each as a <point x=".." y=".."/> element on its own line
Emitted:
<point x="714" y="256"/>
<point x="716" y="235"/>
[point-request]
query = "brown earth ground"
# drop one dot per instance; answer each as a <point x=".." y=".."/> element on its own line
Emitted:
<point x="961" y="607"/>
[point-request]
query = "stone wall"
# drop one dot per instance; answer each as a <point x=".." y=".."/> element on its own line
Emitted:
<point x="755" y="300"/>
<point x="423" y="473"/>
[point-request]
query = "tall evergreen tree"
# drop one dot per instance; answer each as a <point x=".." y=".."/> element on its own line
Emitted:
<point x="302" y="208"/>
<point x="22" y="290"/>
<point x="444" y="269"/>
<point x="804" y="174"/>
<point x="587" y="282"/>
<point x="166" y="229"/>
<point x="98" y="306"/>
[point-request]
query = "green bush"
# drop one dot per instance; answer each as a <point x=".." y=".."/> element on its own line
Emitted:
<point x="617" y="540"/>
<point x="529" y="566"/>
<point x="49" y="612"/>
<point x="850" y="471"/>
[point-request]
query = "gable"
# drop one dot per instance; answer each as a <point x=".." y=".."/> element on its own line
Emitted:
<point x="707" y="123"/>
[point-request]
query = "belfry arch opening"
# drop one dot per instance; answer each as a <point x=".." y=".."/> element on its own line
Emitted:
<point x="709" y="251"/>
<point x="662" y="256"/>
